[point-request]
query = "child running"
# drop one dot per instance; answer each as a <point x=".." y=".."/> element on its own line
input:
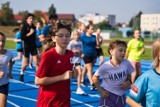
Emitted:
<point x="5" y="70"/>
<point x="135" y="49"/>
<point x="55" y="70"/>
<point x="146" y="89"/>
<point x="19" y="47"/>
<point x="76" y="46"/>
<point x="116" y="76"/>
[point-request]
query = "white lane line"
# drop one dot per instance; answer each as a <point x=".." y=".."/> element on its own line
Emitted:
<point x="81" y="102"/>
<point x="91" y="95"/>
<point x="16" y="81"/>
<point x="15" y="105"/>
<point x="26" y="98"/>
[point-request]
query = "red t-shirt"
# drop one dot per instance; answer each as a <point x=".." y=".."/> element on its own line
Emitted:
<point x="56" y="94"/>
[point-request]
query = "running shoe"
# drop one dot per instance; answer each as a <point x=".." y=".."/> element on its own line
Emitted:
<point x="79" y="91"/>
<point x="83" y="84"/>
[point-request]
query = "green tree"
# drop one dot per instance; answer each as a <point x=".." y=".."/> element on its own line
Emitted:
<point x="103" y="25"/>
<point x="51" y="10"/>
<point x="7" y="17"/>
<point x="131" y="22"/>
<point x="23" y="13"/>
<point x="38" y="16"/>
<point x="137" y="21"/>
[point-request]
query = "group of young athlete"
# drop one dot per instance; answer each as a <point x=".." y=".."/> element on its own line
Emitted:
<point x="60" y="60"/>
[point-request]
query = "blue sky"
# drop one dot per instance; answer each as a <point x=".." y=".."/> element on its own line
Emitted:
<point x="123" y="9"/>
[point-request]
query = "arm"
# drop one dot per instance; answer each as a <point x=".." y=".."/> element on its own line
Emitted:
<point x="97" y="41"/>
<point x="127" y="53"/>
<point x="142" y="51"/>
<point x="132" y="103"/>
<point x="17" y="40"/>
<point x="127" y="83"/>
<point x="10" y="65"/>
<point x="51" y="80"/>
<point x="24" y="32"/>
<point x="96" y="82"/>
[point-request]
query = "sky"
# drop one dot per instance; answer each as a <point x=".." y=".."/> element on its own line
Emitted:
<point x="123" y="9"/>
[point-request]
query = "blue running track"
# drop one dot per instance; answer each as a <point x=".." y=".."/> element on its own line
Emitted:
<point x="25" y="94"/>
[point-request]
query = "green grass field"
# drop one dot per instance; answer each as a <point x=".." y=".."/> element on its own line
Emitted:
<point x="10" y="44"/>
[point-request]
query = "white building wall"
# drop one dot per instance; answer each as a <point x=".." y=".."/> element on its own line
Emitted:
<point x="150" y="22"/>
<point x="97" y="19"/>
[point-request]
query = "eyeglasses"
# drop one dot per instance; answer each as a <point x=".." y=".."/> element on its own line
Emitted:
<point x="63" y="35"/>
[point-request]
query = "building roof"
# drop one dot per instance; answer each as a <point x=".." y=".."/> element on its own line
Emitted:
<point x="18" y="17"/>
<point x="45" y="16"/>
<point x="66" y="16"/>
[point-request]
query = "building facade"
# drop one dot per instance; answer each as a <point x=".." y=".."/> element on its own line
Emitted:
<point x="97" y="18"/>
<point x="150" y="23"/>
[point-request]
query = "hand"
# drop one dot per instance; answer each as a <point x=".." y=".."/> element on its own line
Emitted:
<point x="67" y="75"/>
<point x="82" y="55"/>
<point x="1" y="74"/>
<point x="104" y="93"/>
<point x="31" y="31"/>
<point x="125" y="85"/>
<point x="74" y="73"/>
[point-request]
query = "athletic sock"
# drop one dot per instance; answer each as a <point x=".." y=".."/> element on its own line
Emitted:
<point x="21" y="72"/>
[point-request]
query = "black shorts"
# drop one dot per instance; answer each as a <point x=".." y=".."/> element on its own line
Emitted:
<point x="88" y="59"/>
<point x="76" y="64"/>
<point x="20" y="50"/>
<point x="4" y="89"/>
<point x="99" y="52"/>
<point x="28" y="51"/>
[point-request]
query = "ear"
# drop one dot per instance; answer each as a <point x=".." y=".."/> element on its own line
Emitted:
<point x="53" y="38"/>
<point x="111" y="51"/>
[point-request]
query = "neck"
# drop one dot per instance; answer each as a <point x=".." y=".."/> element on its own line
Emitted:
<point x="88" y="34"/>
<point x="114" y="62"/>
<point x="60" y="51"/>
<point x="158" y="69"/>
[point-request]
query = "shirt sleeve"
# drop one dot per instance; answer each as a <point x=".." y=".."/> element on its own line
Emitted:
<point x="44" y="66"/>
<point x="45" y="30"/>
<point x="139" y="88"/>
<point x="101" y="70"/>
<point x="129" y="46"/>
<point x="23" y="32"/>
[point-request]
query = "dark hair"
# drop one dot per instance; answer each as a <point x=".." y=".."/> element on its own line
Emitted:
<point x="115" y="43"/>
<point x="28" y="15"/>
<point x="2" y="34"/>
<point x="88" y="26"/>
<point x="56" y="26"/>
<point x="48" y="42"/>
<point x="53" y="16"/>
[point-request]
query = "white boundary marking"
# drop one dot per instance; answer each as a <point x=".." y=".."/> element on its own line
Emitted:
<point x="26" y="98"/>
<point x="81" y="102"/>
<point x="15" y="105"/>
